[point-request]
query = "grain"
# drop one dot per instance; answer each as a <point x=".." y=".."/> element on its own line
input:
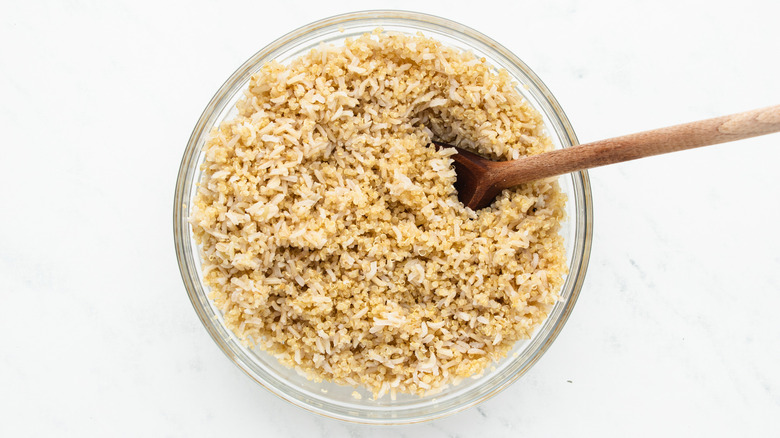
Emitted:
<point x="330" y="231"/>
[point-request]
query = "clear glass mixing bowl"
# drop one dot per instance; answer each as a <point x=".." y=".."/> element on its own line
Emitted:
<point x="334" y="400"/>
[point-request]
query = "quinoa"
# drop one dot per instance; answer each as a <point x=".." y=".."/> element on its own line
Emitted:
<point x="331" y="233"/>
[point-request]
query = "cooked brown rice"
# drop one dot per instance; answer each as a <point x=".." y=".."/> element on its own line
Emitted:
<point x="331" y="233"/>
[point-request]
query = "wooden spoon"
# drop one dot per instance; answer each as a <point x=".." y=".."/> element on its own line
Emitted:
<point x="480" y="179"/>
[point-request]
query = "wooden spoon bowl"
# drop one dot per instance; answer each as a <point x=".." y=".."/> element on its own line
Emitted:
<point x="480" y="180"/>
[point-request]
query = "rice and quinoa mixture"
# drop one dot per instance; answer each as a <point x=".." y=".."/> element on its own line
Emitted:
<point x="331" y="233"/>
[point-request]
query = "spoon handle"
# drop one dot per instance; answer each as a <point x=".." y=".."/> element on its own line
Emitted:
<point x="643" y="144"/>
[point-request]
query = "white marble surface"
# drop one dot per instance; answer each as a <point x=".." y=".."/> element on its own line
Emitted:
<point x="676" y="331"/>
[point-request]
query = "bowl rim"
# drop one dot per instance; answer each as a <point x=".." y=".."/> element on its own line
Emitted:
<point x="181" y="229"/>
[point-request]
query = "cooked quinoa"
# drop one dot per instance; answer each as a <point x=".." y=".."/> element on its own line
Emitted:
<point x="332" y="236"/>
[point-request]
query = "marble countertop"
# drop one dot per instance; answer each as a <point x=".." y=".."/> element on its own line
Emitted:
<point x="675" y="332"/>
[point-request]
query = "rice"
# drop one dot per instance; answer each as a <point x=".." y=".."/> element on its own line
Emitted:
<point x="330" y="230"/>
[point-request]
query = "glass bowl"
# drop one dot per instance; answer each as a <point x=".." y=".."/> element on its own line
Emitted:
<point x="337" y="401"/>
